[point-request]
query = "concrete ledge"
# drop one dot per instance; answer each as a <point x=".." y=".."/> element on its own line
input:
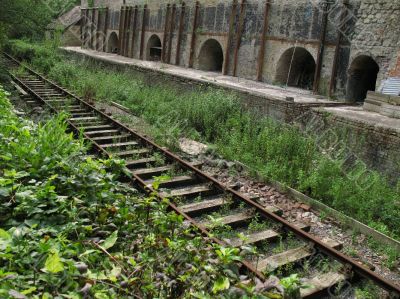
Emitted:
<point x="264" y="98"/>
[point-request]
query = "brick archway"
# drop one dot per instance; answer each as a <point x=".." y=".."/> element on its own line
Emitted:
<point x="154" y="48"/>
<point x="296" y="67"/>
<point x="362" y="76"/>
<point x="211" y="56"/>
<point x="113" y="43"/>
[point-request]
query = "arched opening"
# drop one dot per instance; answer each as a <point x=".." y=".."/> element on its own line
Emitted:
<point x="362" y="76"/>
<point x="211" y="56"/>
<point x="296" y="68"/>
<point x="113" y="43"/>
<point x="154" y="48"/>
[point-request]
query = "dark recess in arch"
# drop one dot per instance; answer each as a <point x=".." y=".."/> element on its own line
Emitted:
<point x="112" y="44"/>
<point x="154" y="48"/>
<point x="211" y="57"/>
<point x="362" y="76"/>
<point x="296" y="68"/>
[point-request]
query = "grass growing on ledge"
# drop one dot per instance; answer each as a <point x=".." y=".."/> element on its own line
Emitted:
<point x="277" y="151"/>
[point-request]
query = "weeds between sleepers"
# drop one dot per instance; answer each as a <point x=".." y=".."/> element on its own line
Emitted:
<point x="278" y="152"/>
<point x="69" y="228"/>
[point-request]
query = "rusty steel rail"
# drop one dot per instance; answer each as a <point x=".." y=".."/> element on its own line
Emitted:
<point x="350" y="264"/>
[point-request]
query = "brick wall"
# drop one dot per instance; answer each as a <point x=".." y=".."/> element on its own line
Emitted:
<point x="371" y="28"/>
<point x="395" y="72"/>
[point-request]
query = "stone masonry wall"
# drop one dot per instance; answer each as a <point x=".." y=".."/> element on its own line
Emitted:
<point x="377" y="34"/>
<point x="371" y="28"/>
<point x="377" y="147"/>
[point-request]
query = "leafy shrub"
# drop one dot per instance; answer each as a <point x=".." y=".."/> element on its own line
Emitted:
<point x="69" y="229"/>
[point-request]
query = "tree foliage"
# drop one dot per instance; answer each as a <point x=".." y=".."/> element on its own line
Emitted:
<point x="29" y="18"/>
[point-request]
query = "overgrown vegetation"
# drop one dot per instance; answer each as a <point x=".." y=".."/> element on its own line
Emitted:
<point x="28" y="19"/>
<point x="69" y="229"/>
<point x="277" y="151"/>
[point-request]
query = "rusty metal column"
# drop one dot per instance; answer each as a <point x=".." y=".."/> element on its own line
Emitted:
<point x="261" y="54"/>
<point x="321" y="47"/>
<point x="143" y="31"/>
<point x="81" y="26"/>
<point x="94" y="36"/>
<point x="164" y="43"/>
<point x="105" y="29"/>
<point x="96" y="28"/>
<point x="343" y="15"/>
<point x="125" y="31"/>
<point x="92" y="29"/>
<point x="123" y="36"/>
<point x="171" y="32"/>
<point x="180" y="32"/>
<point x="133" y="35"/>
<point x="99" y="35"/>
<point x="128" y="31"/>
<point x="121" y="26"/>
<point x="239" y="36"/>
<point x="229" y="39"/>
<point x="194" y="28"/>
<point x="86" y="29"/>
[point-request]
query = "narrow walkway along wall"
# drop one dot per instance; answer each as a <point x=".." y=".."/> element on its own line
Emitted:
<point x="328" y="47"/>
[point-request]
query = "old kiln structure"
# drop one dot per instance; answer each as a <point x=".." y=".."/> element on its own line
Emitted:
<point x="341" y="48"/>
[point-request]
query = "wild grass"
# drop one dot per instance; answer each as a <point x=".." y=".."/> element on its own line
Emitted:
<point x="277" y="151"/>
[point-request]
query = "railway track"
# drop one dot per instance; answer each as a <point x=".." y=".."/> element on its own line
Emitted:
<point x="223" y="215"/>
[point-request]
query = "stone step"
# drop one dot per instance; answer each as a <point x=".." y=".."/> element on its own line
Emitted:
<point x="205" y="205"/>
<point x="156" y="171"/>
<point x="139" y="162"/>
<point x="121" y="144"/>
<point x="292" y="256"/>
<point x="187" y="191"/>
<point x="253" y="238"/>
<point x="75" y="110"/>
<point x="59" y="100"/>
<point x="131" y="152"/>
<point x="281" y="259"/>
<point x="174" y="181"/>
<point x="98" y="127"/>
<point x="234" y="219"/>
<point x="91" y="133"/>
<point x="320" y="283"/>
<point x="78" y="119"/>
<point x="152" y="172"/>
<point x="81" y="114"/>
<point x="110" y="137"/>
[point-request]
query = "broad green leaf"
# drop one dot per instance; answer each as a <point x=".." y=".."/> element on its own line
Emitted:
<point x="132" y="261"/>
<point x="101" y="296"/>
<point x="88" y="252"/>
<point x="29" y="291"/>
<point x="4" y="235"/>
<point x="53" y="263"/>
<point x="115" y="272"/>
<point x="222" y="283"/>
<point x="110" y="241"/>
<point x="5" y="241"/>
<point x="96" y="275"/>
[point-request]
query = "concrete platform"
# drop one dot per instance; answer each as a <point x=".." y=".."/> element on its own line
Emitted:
<point x="372" y="137"/>
<point x="374" y="120"/>
<point x="259" y="89"/>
